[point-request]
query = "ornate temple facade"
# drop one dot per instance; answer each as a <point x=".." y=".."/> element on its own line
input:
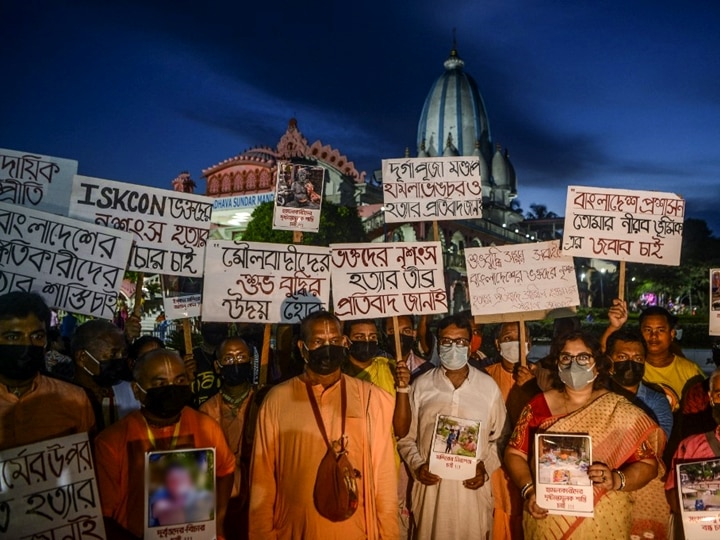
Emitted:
<point x="240" y="183"/>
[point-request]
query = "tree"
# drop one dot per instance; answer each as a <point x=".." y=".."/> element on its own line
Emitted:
<point x="338" y="224"/>
<point x="539" y="211"/>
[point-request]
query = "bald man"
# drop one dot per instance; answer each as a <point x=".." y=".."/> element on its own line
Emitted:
<point x="164" y="422"/>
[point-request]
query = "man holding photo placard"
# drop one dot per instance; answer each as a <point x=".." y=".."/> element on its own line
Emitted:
<point x="457" y="398"/>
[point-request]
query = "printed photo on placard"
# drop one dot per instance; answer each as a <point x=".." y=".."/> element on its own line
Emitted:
<point x="180" y="491"/>
<point x="699" y="493"/>
<point x="182" y="296"/>
<point x="562" y="482"/>
<point x="454" y="452"/>
<point x="298" y="197"/>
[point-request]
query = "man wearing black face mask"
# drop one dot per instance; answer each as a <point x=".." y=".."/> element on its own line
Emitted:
<point x="100" y="353"/>
<point x="165" y="422"/>
<point x="33" y="407"/>
<point x="627" y="350"/>
<point x="365" y="359"/>
<point x="289" y="445"/>
<point x="234" y="409"/>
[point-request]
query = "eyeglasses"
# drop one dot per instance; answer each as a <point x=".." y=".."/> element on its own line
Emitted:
<point x="582" y="359"/>
<point x="230" y="359"/>
<point x="447" y="342"/>
<point x="624" y="358"/>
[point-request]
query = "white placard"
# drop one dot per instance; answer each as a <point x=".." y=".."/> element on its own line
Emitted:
<point x="180" y="495"/>
<point x="298" y="197"/>
<point x="258" y="282"/>
<point x="48" y="490"/>
<point x="699" y="495"/>
<point x="715" y="302"/>
<point x="36" y="181"/>
<point x="182" y="296"/>
<point x="623" y="225"/>
<point x="384" y="279"/>
<point x="170" y="228"/>
<point x="432" y="189"/>
<point x="454" y="451"/>
<point x="75" y="266"/>
<point x="519" y="278"/>
<point x="562" y="483"/>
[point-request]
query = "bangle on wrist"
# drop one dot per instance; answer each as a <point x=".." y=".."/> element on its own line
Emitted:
<point x="526" y="489"/>
<point x="402" y="389"/>
<point x="621" y="476"/>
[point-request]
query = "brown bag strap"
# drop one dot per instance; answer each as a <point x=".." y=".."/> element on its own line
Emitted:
<point x="316" y="410"/>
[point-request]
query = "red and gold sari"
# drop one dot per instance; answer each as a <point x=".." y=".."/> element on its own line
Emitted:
<point x="621" y="434"/>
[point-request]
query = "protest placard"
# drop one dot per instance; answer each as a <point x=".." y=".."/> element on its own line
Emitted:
<point x="182" y="296"/>
<point x="520" y="278"/>
<point x="454" y="450"/>
<point x="170" y="228"/>
<point x="48" y="490"/>
<point x="38" y="182"/>
<point x="432" y="189"/>
<point x="298" y="197"/>
<point x="386" y="279"/>
<point x="75" y="266"/>
<point x="715" y="301"/>
<point x="258" y="282"/>
<point x="180" y="494"/>
<point x="623" y="225"/>
<point x="562" y="483"/>
<point x="698" y="485"/>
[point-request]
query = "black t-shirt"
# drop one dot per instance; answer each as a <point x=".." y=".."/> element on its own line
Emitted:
<point x="207" y="381"/>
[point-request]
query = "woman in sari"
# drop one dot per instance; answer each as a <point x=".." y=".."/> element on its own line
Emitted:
<point x="626" y="445"/>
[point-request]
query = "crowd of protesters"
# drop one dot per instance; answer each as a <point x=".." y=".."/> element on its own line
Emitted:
<point x="372" y="392"/>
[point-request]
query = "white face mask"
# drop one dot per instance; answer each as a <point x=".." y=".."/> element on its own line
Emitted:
<point x="510" y="351"/>
<point x="453" y="356"/>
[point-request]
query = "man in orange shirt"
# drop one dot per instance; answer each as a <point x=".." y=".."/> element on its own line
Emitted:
<point x="233" y="408"/>
<point x="33" y="407"/>
<point x="163" y="423"/>
<point x="289" y="446"/>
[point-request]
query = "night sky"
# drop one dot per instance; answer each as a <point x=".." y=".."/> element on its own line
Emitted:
<point x="614" y="94"/>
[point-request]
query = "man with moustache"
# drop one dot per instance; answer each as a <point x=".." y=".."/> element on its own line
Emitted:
<point x="289" y="445"/>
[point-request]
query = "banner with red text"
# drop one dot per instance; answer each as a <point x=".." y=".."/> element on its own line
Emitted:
<point x="623" y="225"/>
<point x="36" y="181"/>
<point x="519" y="278"/>
<point x="73" y="265"/>
<point x="431" y="189"/>
<point x="170" y="228"/>
<point x="385" y="279"/>
<point x="48" y="490"/>
<point x="258" y="282"/>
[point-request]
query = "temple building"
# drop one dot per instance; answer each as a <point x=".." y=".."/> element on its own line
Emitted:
<point x="242" y="182"/>
<point x="454" y="122"/>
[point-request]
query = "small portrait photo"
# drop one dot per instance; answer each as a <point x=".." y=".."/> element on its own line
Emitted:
<point x="180" y="487"/>
<point x="456" y="436"/>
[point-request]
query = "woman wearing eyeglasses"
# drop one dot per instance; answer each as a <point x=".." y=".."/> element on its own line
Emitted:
<point x="626" y="444"/>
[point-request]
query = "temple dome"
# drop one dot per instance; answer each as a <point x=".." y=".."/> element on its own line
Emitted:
<point x="454" y="108"/>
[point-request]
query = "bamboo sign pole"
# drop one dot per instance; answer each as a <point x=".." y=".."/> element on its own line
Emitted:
<point x="398" y="344"/>
<point x="621" y="281"/>
<point x="137" y="308"/>
<point x="522" y="340"/>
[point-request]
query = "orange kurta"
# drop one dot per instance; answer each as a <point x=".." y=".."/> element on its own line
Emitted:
<point x="120" y="460"/>
<point x="233" y="426"/>
<point x="49" y="409"/>
<point x="289" y="447"/>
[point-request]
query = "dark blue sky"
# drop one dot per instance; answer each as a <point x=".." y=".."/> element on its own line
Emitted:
<point x="615" y="93"/>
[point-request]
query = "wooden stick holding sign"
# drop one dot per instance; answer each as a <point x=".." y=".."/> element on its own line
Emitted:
<point x="621" y="281"/>
<point x="522" y="338"/>
<point x="137" y="308"/>
<point x="398" y="342"/>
